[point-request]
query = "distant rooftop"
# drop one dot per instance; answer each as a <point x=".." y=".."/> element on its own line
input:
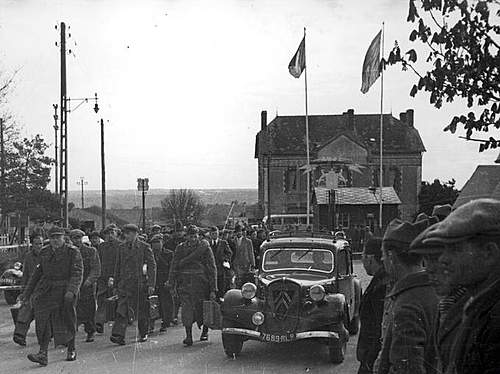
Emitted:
<point x="358" y="196"/>
<point x="484" y="183"/>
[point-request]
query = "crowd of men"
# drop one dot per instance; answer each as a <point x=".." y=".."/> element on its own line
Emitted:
<point x="116" y="275"/>
<point x="433" y="304"/>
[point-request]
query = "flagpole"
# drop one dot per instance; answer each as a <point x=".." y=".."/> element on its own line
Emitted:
<point x="307" y="137"/>
<point x="381" y="183"/>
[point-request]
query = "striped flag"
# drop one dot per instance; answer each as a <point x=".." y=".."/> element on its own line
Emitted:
<point x="371" y="65"/>
<point x="298" y="62"/>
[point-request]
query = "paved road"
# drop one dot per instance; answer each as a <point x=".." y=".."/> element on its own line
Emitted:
<point x="164" y="353"/>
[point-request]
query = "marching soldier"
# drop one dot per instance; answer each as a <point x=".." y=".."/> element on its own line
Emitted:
<point x="85" y="309"/>
<point x="107" y="254"/>
<point x="53" y="290"/>
<point x="222" y="255"/>
<point x="194" y="275"/>
<point x="133" y="285"/>
<point x="25" y="315"/>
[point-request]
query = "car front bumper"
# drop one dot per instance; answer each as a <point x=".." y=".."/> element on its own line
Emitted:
<point x="256" y="335"/>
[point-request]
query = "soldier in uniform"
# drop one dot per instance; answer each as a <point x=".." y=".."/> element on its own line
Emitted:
<point x="53" y="291"/>
<point x="222" y="255"/>
<point x="25" y="315"/>
<point x="194" y="275"/>
<point x="163" y="257"/>
<point x="107" y="251"/>
<point x="471" y="258"/>
<point x="86" y="306"/>
<point x="134" y="279"/>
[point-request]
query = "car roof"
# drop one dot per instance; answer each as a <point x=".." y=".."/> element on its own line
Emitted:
<point x="305" y="241"/>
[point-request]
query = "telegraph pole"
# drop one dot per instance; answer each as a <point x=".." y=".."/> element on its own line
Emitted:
<point x="2" y="175"/>
<point x="82" y="183"/>
<point x="56" y="129"/>
<point x="63" y="173"/>
<point x="103" y="178"/>
<point x="143" y="186"/>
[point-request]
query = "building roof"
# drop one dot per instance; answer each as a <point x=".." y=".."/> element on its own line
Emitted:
<point x="288" y="133"/>
<point x="357" y="196"/>
<point x="484" y="182"/>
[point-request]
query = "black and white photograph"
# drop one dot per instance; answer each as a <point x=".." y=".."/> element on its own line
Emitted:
<point x="250" y="186"/>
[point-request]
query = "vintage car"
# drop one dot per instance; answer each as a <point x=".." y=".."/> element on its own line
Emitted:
<point x="304" y="289"/>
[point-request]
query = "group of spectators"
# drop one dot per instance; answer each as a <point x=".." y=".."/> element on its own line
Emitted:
<point x="433" y="304"/>
<point x="70" y="281"/>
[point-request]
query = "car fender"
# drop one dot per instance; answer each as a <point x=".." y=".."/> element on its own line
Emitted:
<point x="336" y="302"/>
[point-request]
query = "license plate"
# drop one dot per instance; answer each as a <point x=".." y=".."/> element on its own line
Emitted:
<point x="277" y="338"/>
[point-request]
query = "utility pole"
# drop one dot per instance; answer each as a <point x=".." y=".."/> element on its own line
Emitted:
<point x="56" y="129"/>
<point x="82" y="183"/>
<point x="143" y="186"/>
<point x="63" y="174"/>
<point x="103" y="178"/>
<point x="2" y="175"/>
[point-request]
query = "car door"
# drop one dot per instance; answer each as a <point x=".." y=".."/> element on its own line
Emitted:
<point x="345" y="283"/>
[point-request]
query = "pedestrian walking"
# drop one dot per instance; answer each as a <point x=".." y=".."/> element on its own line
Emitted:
<point x="371" y="308"/>
<point x="471" y="258"/>
<point x="134" y="279"/>
<point x="194" y="276"/>
<point x="86" y="306"/>
<point x="107" y="252"/>
<point x="222" y="255"/>
<point x="243" y="257"/>
<point x="53" y="291"/>
<point x="408" y="344"/>
<point x="25" y="314"/>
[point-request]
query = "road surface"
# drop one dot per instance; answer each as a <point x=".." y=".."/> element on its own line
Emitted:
<point x="164" y="353"/>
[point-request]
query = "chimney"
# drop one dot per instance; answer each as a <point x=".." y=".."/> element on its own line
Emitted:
<point x="402" y="117"/>
<point x="409" y="117"/>
<point x="350" y="119"/>
<point x="263" y="120"/>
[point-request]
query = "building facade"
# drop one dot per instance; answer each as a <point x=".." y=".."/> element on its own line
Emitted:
<point x="344" y="152"/>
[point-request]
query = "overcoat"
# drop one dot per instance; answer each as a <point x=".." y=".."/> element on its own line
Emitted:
<point x="91" y="271"/>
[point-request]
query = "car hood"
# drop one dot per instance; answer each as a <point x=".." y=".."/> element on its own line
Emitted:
<point x="304" y="279"/>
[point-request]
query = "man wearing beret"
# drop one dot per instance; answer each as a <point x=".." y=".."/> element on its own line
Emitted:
<point x="471" y="257"/>
<point x="107" y="251"/>
<point x="452" y="298"/>
<point x="163" y="257"/>
<point x="85" y="310"/>
<point x="372" y="307"/>
<point x="53" y="291"/>
<point x="194" y="275"/>
<point x="133" y="285"/>
<point x="408" y="345"/>
<point x="222" y="254"/>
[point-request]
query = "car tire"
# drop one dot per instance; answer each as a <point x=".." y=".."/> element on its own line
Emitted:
<point x="233" y="344"/>
<point x="11" y="297"/>
<point x="353" y="326"/>
<point x="336" y="350"/>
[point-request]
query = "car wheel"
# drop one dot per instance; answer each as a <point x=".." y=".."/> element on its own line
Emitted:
<point x="233" y="344"/>
<point x="353" y="326"/>
<point x="11" y="297"/>
<point x="337" y="349"/>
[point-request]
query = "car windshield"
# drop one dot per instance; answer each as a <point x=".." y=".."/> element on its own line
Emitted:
<point x="298" y="259"/>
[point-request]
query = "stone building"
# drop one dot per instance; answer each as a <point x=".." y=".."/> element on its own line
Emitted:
<point x="344" y="152"/>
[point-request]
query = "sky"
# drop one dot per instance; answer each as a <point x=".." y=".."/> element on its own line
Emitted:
<point x="181" y="84"/>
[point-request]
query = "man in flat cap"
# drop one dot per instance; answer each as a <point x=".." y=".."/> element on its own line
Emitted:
<point x="133" y="285"/>
<point x="452" y="298"/>
<point x="371" y="308"/>
<point x="222" y="254"/>
<point x="53" y="291"/>
<point x="86" y="306"/>
<point x="163" y="257"/>
<point x="107" y="251"/>
<point x="471" y="258"/>
<point x="194" y="275"/>
<point x="243" y="256"/>
<point x="408" y="345"/>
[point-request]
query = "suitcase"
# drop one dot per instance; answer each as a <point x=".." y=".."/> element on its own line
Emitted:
<point x="212" y="316"/>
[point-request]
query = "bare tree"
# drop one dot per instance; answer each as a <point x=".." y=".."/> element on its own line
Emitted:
<point x="183" y="205"/>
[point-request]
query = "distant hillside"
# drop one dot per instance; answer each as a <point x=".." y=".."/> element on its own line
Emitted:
<point x="127" y="199"/>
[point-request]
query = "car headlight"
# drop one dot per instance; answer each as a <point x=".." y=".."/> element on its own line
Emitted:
<point x="258" y="318"/>
<point x="317" y="292"/>
<point x="248" y="290"/>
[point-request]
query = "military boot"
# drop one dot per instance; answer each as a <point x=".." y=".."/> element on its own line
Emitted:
<point x="40" y="358"/>
<point x="204" y="334"/>
<point x="188" y="342"/>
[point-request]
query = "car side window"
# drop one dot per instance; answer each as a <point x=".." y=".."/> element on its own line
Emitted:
<point x="342" y="262"/>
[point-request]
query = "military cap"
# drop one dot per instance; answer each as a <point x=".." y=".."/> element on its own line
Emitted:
<point x="402" y="233"/>
<point x="130" y="227"/>
<point x="418" y="246"/>
<point x="56" y="231"/>
<point x="94" y="234"/>
<point x="373" y="246"/>
<point x="192" y="230"/>
<point x="76" y="233"/>
<point x="477" y="218"/>
<point x="442" y="211"/>
<point x="156" y="238"/>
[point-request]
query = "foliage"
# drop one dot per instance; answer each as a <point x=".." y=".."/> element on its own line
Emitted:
<point x="436" y="193"/>
<point x="183" y="205"/>
<point x="463" y="60"/>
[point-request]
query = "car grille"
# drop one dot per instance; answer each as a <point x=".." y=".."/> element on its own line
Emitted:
<point x="284" y="304"/>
